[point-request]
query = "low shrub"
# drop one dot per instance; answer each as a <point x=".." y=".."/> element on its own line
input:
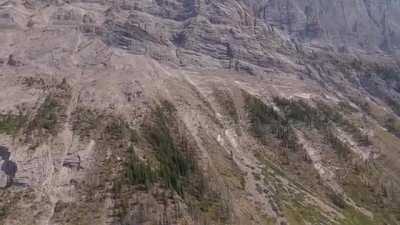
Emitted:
<point x="137" y="171"/>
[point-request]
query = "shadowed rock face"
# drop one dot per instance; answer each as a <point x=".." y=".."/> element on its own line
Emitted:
<point x="4" y="153"/>
<point x="8" y="167"/>
<point x="178" y="10"/>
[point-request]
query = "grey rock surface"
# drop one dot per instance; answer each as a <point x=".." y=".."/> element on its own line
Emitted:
<point x="368" y="25"/>
<point x="3" y="177"/>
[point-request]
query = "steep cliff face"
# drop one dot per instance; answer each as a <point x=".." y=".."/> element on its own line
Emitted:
<point x="372" y="26"/>
<point x="199" y="112"/>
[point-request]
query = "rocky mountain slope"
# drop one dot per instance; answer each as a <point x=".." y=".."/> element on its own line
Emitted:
<point x="372" y="26"/>
<point x="191" y="112"/>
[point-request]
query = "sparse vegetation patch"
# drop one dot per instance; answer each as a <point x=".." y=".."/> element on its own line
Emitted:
<point x="176" y="163"/>
<point x="323" y="118"/>
<point x="48" y="114"/>
<point x="11" y="124"/>
<point x="51" y="112"/>
<point x="139" y="172"/>
<point x="264" y="120"/>
<point x="342" y="150"/>
<point x="226" y="101"/>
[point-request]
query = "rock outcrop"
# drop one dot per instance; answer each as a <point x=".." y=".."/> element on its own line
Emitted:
<point x="366" y="25"/>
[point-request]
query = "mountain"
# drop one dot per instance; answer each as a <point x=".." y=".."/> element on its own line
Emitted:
<point x="164" y="112"/>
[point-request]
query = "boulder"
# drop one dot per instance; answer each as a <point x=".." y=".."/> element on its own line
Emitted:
<point x="72" y="161"/>
<point x="4" y="153"/>
<point x="3" y="178"/>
